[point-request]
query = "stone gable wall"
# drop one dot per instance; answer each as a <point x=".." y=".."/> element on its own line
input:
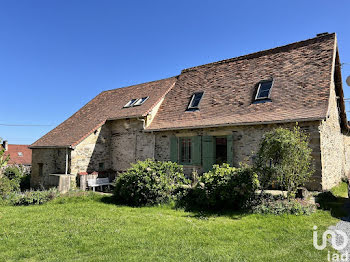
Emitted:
<point x="92" y="151"/>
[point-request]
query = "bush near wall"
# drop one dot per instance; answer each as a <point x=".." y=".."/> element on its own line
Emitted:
<point x="30" y="197"/>
<point x="149" y="182"/>
<point x="284" y="159"/>
<point x="12" y="179"/>
<point x="224" y="187"/>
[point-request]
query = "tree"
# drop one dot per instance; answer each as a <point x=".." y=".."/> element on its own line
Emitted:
<point x="284" y="157"/>
<point x="3" y="159"/>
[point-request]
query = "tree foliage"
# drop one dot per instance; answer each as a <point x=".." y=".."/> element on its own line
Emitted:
<point x="284" y="158"/>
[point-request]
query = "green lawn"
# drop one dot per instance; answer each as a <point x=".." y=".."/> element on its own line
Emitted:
<point x="92" y="230"/>
<point x="340" y="190"/>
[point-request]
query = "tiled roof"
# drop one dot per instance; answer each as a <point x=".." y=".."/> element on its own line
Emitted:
<point x="19" y="154"/>
<point x="302" y="76"/>
<point x="107" y="105"/>
<point x="301" y="72"/>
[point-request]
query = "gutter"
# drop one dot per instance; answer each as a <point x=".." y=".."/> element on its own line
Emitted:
<point x="238" y="124"/>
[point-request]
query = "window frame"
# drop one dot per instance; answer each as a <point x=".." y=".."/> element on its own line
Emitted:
<point x="140" y="102"/>
<point x="258" y="90"/>
<point x="189" y="150"/>
<point x="189" y="107"/>
<point x="130" y="103"/>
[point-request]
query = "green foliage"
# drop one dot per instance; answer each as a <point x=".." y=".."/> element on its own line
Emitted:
<point x="149" y="182"/>
<point x="278" y="205"/>
<point x="284" y="157"/>
<point x="30" y="197"/>
<point x="224" y="187"/>
<point x="7" y="186"/>
<point x="11" y="179"/>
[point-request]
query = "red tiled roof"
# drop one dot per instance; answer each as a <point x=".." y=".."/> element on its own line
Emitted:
<point x="107" y="105"/>
<point x="302" y="77"/>
<point x="19" y="154"/>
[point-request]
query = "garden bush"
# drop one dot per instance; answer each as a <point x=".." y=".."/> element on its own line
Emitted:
<point x="11" y="179"/>
<point x="18" y="175"/>
<point x="279" y="206"/>
<point x="30" y="197"/>
<point x="284" y="159"/>
<point x="149" y="182"/>
<point x="224" y="187"/>
<point x="7" y="186"/>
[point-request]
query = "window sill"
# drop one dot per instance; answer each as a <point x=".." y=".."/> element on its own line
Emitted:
<point x="260" y="101"/>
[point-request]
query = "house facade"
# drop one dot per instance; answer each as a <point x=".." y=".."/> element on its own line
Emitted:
<point x="209" y="114"/>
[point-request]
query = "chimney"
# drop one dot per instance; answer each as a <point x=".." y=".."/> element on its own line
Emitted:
<point x="5" y="145"/>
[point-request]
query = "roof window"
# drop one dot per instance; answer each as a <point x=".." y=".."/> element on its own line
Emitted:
<point x="130" y="103"/>
<point x="195" y="101"/>
<point x="264" y="90"/>
<point x="140" y="101"/>
<point x="20" y="154"/>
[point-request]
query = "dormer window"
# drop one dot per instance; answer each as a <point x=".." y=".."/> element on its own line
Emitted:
<point x="130" y="103"/>
<point x="140" y="101"/>
<point x="264" y="90"/>
<point x="195" y="101"/>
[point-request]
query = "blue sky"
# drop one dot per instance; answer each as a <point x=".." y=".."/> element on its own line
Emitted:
<point x="57" y="55"/>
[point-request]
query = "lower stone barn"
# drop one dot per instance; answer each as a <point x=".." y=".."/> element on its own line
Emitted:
<point x="213" y="113"/>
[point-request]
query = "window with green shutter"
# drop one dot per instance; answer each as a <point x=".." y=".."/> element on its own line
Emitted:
<point x="186" y="150"/>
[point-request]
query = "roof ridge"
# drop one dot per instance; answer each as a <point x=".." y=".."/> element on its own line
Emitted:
<point x="138" y="84"/>
<point x="277" y="49"/>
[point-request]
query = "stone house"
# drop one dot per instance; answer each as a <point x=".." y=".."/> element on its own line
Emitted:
<point x="209" y="114"/>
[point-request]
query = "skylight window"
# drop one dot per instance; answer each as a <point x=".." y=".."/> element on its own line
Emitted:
<point x="20" y="154"/>
<point x="130" y="103"/>
<point x="195" y="100"/>
<point x="140" y="101"/>
<point x="264" y="90"/>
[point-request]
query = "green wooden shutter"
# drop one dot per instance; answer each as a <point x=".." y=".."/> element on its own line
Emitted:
<point x="229" y="150"/>
<point x="174" y="149"/>
<point x="208" y="152"/>
<point x="196" y="150"/>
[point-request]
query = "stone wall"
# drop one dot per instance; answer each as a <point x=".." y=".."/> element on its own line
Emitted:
<point x="93" y="153"/>
<point x="53" y="161"/>
<point x="129" y="143"/>
<point x="246" y="140"/>
<point x="334" y="145"/>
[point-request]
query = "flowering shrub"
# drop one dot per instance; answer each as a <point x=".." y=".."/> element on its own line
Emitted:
<point x="223" y="187"/>
<point x="149" y="182"/>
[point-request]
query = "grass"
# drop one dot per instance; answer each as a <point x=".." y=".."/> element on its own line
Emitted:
<point x="90" y="229"/>
<point x="340" y="190"/>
